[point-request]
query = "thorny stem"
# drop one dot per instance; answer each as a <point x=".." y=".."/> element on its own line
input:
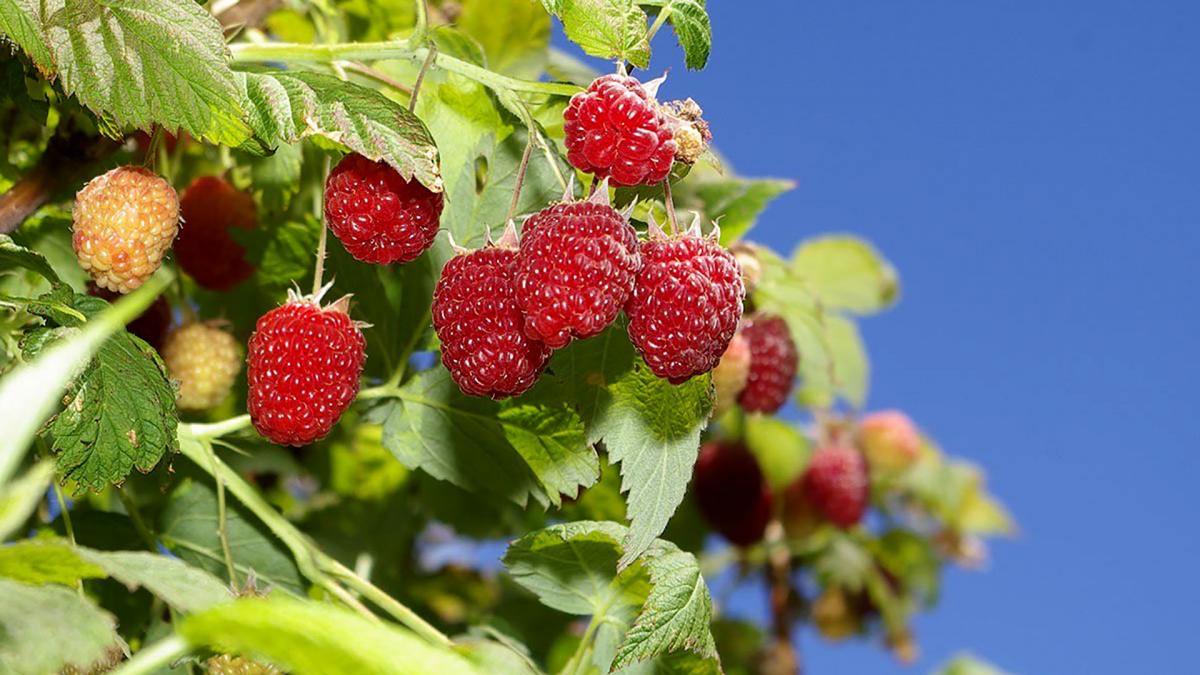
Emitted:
<point x="319" y="270"/>
<point x="222" y="529"/>
<point x="670" y="203"/>
<point x="376" y="51"/>
<point x="377" y="75"/>
<point x="512" y="206"/>
<point x="416" y="88"/>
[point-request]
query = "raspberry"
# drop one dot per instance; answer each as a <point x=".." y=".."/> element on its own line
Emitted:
<point x="377" y="215"/>
<point x="476" y="317"/>
<point x="574" y="270"/>
<point x="225" y="664"/>
<point x="729" y="377"/>
<point x="837" y="485"/>
<point x="773" y="363"/>
<point x="685" y="304"/>
<point x="615" y="129"/>
<point x="204" y="249"/>
<point x="152" y="325"/>
<point x="889" y="440"/>
<point x="304" y="364"/>
<point x="205" y="360"/>
<point x="731" y="492"/>
<point x="125" y="220"/>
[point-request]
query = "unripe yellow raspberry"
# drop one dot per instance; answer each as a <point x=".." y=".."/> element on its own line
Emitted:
<point x="125" y="220"/>
<point x="205" y="360"/>
<point x="730" y="375"/>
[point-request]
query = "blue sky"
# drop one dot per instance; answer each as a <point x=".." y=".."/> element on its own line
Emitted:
<point x="1033" y="171"/>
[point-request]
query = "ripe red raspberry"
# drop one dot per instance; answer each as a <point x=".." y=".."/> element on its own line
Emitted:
<point x="773" y="363"/>
<point x="204" y="249"/>
<point x="731" y="492"/>
<point x="151" y="325"/>
<point x="125" y="220"/>
<point x="837" y="485"/>
<point x="616" y="129"/>
<point x="205" y="361"/>
<point x="730" y="375"/>
<point x="377" y="215"/>
<point x="303" y="369"/>
<point x="476" y="317"/>
<point x="574" y="270"/>
<point x="685" y="304"/>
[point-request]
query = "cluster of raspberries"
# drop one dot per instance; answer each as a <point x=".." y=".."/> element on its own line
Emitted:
<point x="502" y="310"/>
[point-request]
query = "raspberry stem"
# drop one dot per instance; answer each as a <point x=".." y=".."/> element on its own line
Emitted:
<point x="319" y="270"/>
<point x="512" y="206"/>
<point x="290" y="52"/>
<point x="416" y="88"/>
<point x="670" y="204"/>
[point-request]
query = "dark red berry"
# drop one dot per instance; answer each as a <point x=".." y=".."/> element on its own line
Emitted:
<point x="303" y="367"/>
<point x="685" y="305"/>
<point x="731" y="492"/>
<point x="773" y="362"/>
<point x="476" y="317"/>
<point x="377" y="215"/>
<point x="616" y="129"/>
<point x="574" y="271"/>
<point x="204" y="249"/>
<point x="153" y="323"/>
<point x="837" y="485"/>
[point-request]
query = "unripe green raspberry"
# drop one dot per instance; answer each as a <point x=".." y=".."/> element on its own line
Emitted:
<point x="205" y="360"/>
<point x="125" y="220"/>
<point x="225" y="664"/>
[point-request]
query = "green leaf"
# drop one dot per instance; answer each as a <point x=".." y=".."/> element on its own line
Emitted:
<point x="527" y="446"/>
<point x="13" y="255"/>
<point x="286" y="107"/>
<point x="649" y="426"/>
<point x="119" y="414"/>
<point x="646" y="611"/>
<point x="46" y="562"/>
<point x="676" y="615"/>
<point x="781" y="449"/>
<point x="44" y="629"/>
<point x="849" y="365"/>
<point x="280" y="249"/>
<point x="21" y="21"/>
<point x="846" y="273"/>
<point x="514" y="34"/>
<point x="188" y="525"/>
<point x="306" y="637"/>
<point x="734" y="203"/>
<point x="572" y="567"/>
<point x="142" y="62"/>
<point x="183" y="587"/>
<point x="55" y="561"/>
<point x="30" y="392"/>
<point x="19" y="498"/>
<point x="653" y="430"/>
<point x="609" y="29"/>
<point x="692" y="27"/>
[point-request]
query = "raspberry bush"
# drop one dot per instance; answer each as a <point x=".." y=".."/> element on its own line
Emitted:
<point x="301" y="298"/>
